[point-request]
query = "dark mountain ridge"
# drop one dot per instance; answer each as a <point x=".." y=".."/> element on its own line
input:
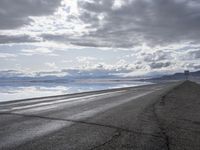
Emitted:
<point x="179" y="76"/>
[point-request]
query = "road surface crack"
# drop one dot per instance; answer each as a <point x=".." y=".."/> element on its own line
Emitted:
<point x="116" y="135"/>
<point x="84" y="122"/>
<point x="162" y="129"/>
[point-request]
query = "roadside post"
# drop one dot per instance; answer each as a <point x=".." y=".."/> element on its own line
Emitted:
<point x="186" y="72"/>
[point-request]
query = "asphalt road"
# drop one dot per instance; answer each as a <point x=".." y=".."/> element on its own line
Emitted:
<point x="152" y="117"/>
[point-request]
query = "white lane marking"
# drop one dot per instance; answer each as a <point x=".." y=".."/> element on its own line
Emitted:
<point x="84" y="98"/>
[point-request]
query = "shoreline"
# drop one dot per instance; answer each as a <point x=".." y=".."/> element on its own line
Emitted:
<point x="75" y="94"/>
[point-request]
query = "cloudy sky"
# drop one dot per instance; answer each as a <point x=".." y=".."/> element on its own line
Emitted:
<point x="131" y="36"/>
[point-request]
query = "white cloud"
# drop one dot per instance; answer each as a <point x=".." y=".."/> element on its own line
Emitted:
<point x="85" y="59"/>
<point x="7" y="55"/>
<point x="51" y="65"/>
<point x="85" y="62"/>
<point x="52" y="73"/>
<point x="117" y="4"/>
<point x="38" y="51"/>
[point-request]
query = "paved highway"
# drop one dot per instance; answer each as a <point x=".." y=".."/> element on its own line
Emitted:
<point x="110" y="119"/>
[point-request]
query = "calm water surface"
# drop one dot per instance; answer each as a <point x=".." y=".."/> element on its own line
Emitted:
<point x="14" y="92"/>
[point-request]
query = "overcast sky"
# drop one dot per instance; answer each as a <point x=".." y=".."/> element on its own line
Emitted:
<point x="136" y="36"/>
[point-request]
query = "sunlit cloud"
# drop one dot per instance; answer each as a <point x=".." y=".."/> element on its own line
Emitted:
<point x="7" y="55"/>
<point x="38" y="51"/>
<point x="61" y="34"/>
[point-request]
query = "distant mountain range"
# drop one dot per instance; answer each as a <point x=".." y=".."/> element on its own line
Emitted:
<point x="13" y="77"/>
<point x="53" y="75"/>
<point x="178" y="76"/>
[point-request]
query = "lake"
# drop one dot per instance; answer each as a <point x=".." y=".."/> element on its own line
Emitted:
<point x="28" y="90"/>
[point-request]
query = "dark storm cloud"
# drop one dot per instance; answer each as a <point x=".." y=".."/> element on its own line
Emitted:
<point x="195" y="66"/>
<point x="156" y="56"/>
<point x="88" y="41"/>
<point x="159" y="65"/>
<point x="158" y="59"/>
<point x="16" y="13"/>
<point x="4" y="39"/>
<point x="152" y="21"/>
<point x="195" y="54"/>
